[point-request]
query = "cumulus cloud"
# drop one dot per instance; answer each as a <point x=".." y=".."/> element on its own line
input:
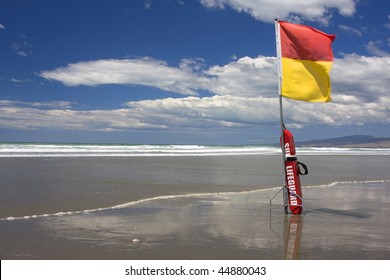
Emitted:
<point x="200" y="113"/>
<point x="244" y="95"/>
<point x="60" y="115"/>
<point x="247" y="76"/>
<point x="268" y="10"/>
<point x="215" y="111"/>
<point x="143" y="71"/>
<point x="45" y="105"/>
<point x="231" y="111"/>
<point x="244" y="77"/>
<point x="361" y="76"/>
<point x="344" y="110"/>
<point x="168" y="113"/>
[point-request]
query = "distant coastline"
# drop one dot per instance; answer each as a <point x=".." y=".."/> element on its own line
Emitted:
<point x="353" y="141"/>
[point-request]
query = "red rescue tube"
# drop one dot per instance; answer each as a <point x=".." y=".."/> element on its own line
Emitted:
<point x="293" y="181"/>
<point x="294" y="186"/>
<point x="289" y="144"/>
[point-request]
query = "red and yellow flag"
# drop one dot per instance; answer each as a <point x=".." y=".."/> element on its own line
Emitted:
<point x="306" y="60"/>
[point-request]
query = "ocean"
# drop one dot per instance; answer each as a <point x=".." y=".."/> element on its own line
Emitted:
<point x="73" y="201"/>
<point x="96" y="150"/>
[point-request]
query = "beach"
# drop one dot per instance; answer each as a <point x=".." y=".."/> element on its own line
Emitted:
<point x="192" y="207"/>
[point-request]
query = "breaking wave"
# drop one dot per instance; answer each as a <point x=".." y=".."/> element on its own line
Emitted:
<point x="84" y="150"/>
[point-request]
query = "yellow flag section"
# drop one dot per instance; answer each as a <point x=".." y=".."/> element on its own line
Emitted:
<point x="306" y="60"/>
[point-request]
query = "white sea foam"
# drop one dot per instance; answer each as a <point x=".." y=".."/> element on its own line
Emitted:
<point x="76" y="150"/>
<point x="220" y="195"/>
<point x="67" y="150"/>
<point x="338" y="183"/>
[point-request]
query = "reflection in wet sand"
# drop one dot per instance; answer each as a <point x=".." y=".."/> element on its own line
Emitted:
<point x="340" y="221"/>
<point x="292" y="235"/>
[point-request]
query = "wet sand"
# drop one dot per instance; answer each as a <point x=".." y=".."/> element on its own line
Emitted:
<point x="192" y="208"/>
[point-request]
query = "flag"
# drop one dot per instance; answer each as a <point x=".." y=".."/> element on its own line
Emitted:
<point x="306" y="60"/>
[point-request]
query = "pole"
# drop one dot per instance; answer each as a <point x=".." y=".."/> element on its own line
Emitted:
<point x="285" y="194"/>
<point x="279" y="55"/>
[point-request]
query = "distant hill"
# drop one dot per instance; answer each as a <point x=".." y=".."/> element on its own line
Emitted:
<point x="356" y="141"/>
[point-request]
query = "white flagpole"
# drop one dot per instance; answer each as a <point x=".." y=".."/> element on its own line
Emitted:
<point x="279" y="63"/>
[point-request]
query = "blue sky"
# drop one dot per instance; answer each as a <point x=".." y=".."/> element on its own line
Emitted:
<point x="181" y="72"/>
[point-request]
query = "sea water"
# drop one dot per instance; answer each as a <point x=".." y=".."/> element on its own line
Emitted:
<point x="110" y="150"/>
<point x="187" y="201"/>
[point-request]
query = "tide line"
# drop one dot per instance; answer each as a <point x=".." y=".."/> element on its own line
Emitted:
<point x="180" y="196"/>
<point x="132" y="203"/>
<point x="337" y="183"/>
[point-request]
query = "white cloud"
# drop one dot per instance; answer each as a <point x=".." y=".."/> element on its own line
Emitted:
<point x="142" y="71"/>
<point x="268" y="10"/>
<point x="336" y="113"/>
<point x="22" y="47"/>
<point x="201" y="113"/>
<point x="353" y="75"/>
<point x="247" y="76"/>
<point x="22" y="54"/>
<point x="185" y="79"/>
<point x="147" y="4"/>
<point x="37" y="117"/>
<point x="374" y="48"/>
<point x="215" y="111"/>
<point x="350" y="30"/>
<point x="46" y="105"/>
<point x="2" y="26"/>
<point x="231" y="111"/>
<point x="387" y="25"/>
<point x="361" y="76"/>
<point x="244" y="96"/>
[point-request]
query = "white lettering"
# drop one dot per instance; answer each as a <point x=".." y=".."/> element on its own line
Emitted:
<point x="291" y="184"/>
<point x="287" y="148"/>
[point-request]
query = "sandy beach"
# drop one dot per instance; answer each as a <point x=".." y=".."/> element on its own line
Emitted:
<point x="192" y="208"/>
